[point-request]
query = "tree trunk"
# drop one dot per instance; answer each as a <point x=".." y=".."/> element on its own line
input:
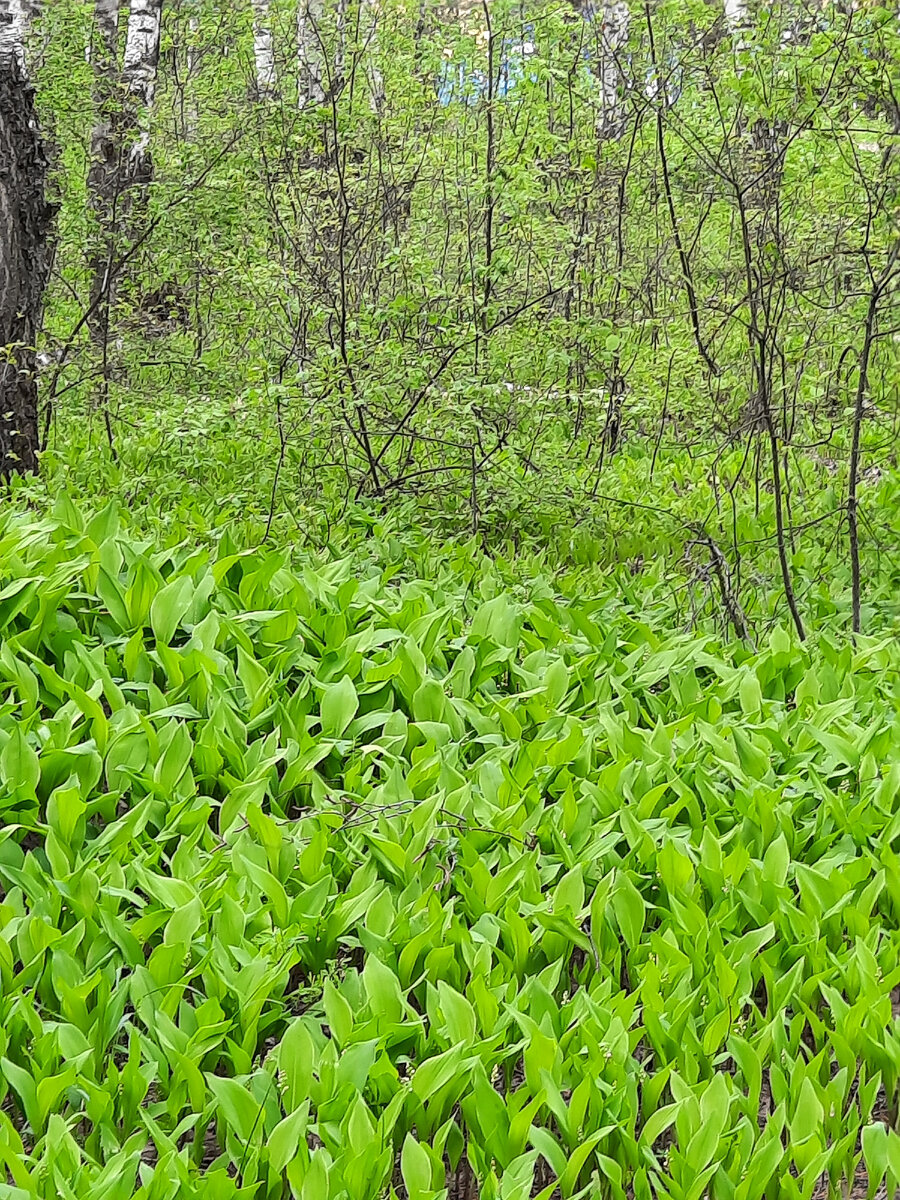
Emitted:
<point x="192" y="116"/>
<point x="369" y="15"/>
<point x="139" y="77"/>
<point x="310" y="52"/>
<point x="120" y="140"/>
<point x="15" y="18"/>
<point x="120" y="156"/>
<point x="25" y="222"/>
<point x="263" y="50"/>
<point x="614" y="21"/>
<point x="103" y="171"/>
<point x="736" y="14"/>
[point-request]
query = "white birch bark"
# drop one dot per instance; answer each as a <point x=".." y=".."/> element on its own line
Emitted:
<point x="103" y="55"/>
<point x="142" y="49"/>
<point x="310" y="52"/>
<point x="15" y="19"/>
<point x="263" y="49"/>
<point x="106" y="22"/>
<point x="736" y="14"/>
<point x="373" y="74"/>
<point x="614" y="20"/>
<point x="139" y="77"/>
<point x="192" y="115"/>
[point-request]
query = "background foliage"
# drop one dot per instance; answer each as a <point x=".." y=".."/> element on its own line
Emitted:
<point x="470" y="295"/>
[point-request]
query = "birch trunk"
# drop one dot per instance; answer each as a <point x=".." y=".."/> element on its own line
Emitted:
<point x="614" y="20"/>
<point x="25" y="222"/>
<point x="139" y="77"/>
<point x="736" y="14"/>
<point x="310" y="52"/>
<point x="369" y="16"/>
<point x="106" y="25"/>
<point x="263" y="50"/>
<point x="192" y="115"/>
<point x="15" y="19"/>
<point x="103" y="58"/>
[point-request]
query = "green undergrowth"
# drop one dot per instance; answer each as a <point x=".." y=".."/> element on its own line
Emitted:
<point x="637" y="530"/>
<point x="331" y="882"/>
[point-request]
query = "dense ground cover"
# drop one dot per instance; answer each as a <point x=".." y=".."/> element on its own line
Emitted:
<point x="414" y="872"/>
<point x="449" y="687"/>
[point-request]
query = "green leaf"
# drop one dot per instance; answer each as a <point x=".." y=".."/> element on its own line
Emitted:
<point x="338" y="1013"/>
<point x="298" y="1059"/>
<point x="459" y="1014"/>
<point x="428" y="701"/>
<point x="750" y="693"/>
<point x="239" y="1108"/>
<point x="20" y="770"/>
<point x="338" y="707"/>
<point x="169" y="607"/>
<point x="436" y="1072"/>
<point x="65" y="810"/>
<point x="284" y="1141"/>
<point x="14" y="597"/>
<point x="25" y="1087"/>
<point x="658" y="1122"/>
<point x="415" y="1166"/>
<point x="556" y="683"/>
<point x="875" y="1152"/>
<point x="569" y="1178"/>
<point x="629" y="907"/>
<point x="485" y="1111"/>
<point x="383" y="990"/>
<point x="808" y="1115"/>
<point x="714" y="1105"/>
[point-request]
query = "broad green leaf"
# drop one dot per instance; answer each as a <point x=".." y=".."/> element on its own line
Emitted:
<point x="239" y="1108"/>
<point x="19" y="767"/>
<point x="415" y="1166"/>
<point x="338" y="707"/>
<point x="169" y="607"/>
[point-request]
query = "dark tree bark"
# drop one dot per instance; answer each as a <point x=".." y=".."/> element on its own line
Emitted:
<point x="25" y="223"/>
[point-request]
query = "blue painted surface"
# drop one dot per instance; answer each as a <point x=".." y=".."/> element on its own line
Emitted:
<point x="458" y="82"/>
